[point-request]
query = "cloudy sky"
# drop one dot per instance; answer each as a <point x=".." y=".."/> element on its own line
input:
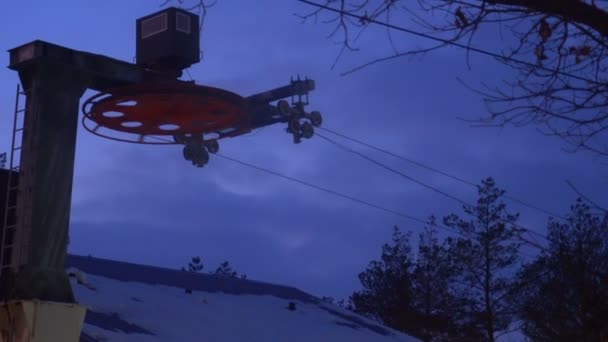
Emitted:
<point x="146" y="204"/>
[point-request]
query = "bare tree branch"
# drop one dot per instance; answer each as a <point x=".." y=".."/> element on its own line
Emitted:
<point x="586" y="198"/>
<point x="563" y="89"/>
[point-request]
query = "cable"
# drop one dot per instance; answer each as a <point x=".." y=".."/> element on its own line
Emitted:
<point x="445" y="41"/>
<point x="530" y="231"/>
<point x="354" y="199"/>
<point x="369" y="204"/>
<point x="360" y="142"/>
<point x="329" y="191"/>
<point x="392" y="170"/>
<point x="350" y="198"/>
<point x="301" y="182"/>
<point x="189" y="75"/>
<point x="443" y="173"/>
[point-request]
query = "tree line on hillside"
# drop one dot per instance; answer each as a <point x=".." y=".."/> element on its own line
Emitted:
<point x="224" y="270"/>
<point x="477" y="285"/>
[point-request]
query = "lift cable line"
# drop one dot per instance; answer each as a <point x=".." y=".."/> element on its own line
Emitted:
<point x="442" y="40"/>
<point x="358" y="200"/>
<point x="443" y="173"/>
<point x="311" y="185"/>
<point x="363" y="202"/>
<point x="326" y="190"/>
<point x="345" y="148"/>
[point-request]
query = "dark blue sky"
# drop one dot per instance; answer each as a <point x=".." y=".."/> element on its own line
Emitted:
<point x="146" y="204"/>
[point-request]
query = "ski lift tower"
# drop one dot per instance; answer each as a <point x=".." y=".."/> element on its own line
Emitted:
<point x="137" y="103"/>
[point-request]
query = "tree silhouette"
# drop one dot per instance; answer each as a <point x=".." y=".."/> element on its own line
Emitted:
<point x="564" y="294"/>
<point x="195" y="265"/>
<point x="485" y="258"/>
<point x="438" y="310"/>
<point x="387" y="294"/>
<point x="225" y="270"/>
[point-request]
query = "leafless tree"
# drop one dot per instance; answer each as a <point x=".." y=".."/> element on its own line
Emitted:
<point x="558" y="49"/>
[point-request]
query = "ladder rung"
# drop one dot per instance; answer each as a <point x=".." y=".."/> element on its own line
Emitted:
<point x="15" y="168"/>
<point x="20" y="110"/>
<point x="17" y="148"/>
<point x="19" y="129"/>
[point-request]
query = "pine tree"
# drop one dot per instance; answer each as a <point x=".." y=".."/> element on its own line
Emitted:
<point x="225" y="270"/>
<point x="387" y="286"/>
<point x="339" y="303"/>
<point x="328" y="299"/>
<point x="432" y="277"/>
<point x="564" y="294"/>
<point x="485" y="258"/>
<point x="195" y="265"/>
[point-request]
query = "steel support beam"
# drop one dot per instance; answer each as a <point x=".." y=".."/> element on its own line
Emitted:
<point x="54" y="78"/>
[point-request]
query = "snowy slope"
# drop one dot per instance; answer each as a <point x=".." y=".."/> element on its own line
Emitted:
<point x="130" y="302"/>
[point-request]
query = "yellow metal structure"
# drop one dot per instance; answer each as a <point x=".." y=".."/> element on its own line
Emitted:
<point x="38" y="321"/>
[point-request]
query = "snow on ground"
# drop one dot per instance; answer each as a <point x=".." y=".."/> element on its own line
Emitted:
<point x="122" y="310"/>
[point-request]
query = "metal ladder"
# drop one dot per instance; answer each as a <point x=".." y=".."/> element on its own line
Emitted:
<point x="12" y="187"/>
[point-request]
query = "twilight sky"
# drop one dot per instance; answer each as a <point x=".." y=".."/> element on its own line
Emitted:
<point x="146" y="204"/>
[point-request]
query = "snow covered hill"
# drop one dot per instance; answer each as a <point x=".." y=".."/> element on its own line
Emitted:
<point x="129" y="302"/>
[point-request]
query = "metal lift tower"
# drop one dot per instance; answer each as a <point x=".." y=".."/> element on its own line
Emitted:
<point x="138" y="102"/>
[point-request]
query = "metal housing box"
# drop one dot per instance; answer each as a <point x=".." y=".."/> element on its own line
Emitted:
<point x="168" y="40"/>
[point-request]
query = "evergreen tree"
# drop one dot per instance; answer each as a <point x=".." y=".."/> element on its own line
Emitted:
<point x="485" y="258"/>
<point x="340" y="303"/>
<point x="564" y="294"/>
<point x="2" y="160"/>
<point x="433" y="300"/>
<point x="195" y="265"/>
<point x="225" y="270"/>
<point x="328" y="300"/>
<point x="387" y="286"/>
